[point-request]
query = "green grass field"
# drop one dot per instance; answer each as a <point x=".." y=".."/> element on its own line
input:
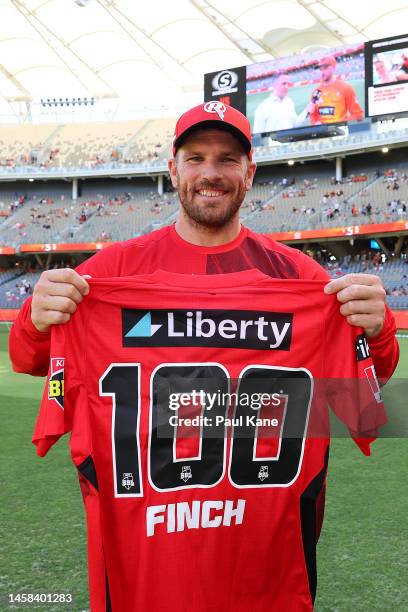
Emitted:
<point x="362" y="552"/>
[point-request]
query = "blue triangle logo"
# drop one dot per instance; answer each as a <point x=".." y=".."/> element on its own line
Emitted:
<point x="143" y="328"/>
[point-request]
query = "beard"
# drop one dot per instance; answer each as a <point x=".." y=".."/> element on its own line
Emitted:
<point x="211" y="215"/>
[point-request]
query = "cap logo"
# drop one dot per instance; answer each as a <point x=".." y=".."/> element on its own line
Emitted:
<point x="215" y="107"/>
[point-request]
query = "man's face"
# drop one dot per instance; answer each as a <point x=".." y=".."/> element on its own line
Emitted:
<point x="282" y="86"/>
<point x="380" y="67"/>
<point x="212" y="174"/>
<point x="327" y="71"/>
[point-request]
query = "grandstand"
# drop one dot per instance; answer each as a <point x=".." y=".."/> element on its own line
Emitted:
<point x="88" y="104"/>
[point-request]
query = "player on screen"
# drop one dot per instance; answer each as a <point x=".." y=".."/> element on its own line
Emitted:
<point x="333" y="100"/>
<point x="278" y="111"/>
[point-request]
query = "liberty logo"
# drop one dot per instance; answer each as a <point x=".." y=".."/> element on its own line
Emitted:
<point x="235" y="329"/>
<point x="186" y="473"/>
<point x="143" y="328"/>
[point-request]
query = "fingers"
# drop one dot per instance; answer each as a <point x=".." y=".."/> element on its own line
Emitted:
<point x="64" y="290"/>
<point x="362" y="292"/>
<point x="362" y="299"/>
<point x="351" y="279"/>
<point x="58" y="303"/>
<point x="366" y="307"/>
<point x="65" y="275"/>
<point x="55" y="317"/>
<point x="56" y="296"/>
<point x="371" y="324"/>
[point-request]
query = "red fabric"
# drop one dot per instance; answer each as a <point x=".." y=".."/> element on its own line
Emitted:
<point x="164" y="249"/>
<point x="258" y="564"/>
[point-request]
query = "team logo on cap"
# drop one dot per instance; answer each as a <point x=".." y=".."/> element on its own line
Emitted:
<point x="215" y="107"/>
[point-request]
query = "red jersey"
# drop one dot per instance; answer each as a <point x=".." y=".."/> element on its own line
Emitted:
<point x="165" y="249"/>
<point x="200" y="434"/>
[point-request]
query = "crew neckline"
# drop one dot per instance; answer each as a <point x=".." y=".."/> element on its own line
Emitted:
<point x="230" y="279"/>
<point x="222" y="248"/>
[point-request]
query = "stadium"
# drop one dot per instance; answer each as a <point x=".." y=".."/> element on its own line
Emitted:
<point x="90" y="93"/>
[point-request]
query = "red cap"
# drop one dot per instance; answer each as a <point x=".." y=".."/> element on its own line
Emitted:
<point x="328" y="60"/>
<point x="215" y="115"/>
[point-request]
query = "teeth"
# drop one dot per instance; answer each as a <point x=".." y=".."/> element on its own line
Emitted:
<point x="210" y="194"/>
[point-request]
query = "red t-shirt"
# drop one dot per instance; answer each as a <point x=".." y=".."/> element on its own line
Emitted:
<point x="165" y="249"/>
<point x="216" y="514"/>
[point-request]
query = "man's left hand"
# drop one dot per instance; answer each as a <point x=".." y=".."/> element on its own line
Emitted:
<point x="362" y="298"/>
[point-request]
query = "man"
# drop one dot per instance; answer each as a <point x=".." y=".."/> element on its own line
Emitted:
<point x="382" y="74"/>
<point x="277" y="112"/>
<point x="333" y="100"/>
<point x="212" y="169"/>
<point x="206" y="239"/>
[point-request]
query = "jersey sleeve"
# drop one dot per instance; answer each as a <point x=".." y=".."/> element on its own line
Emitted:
<point x="353" y="390"/>
<point x="64" y="393"/>
<point x="384" y="347"/>
<point x="29" y="349"/>
<point x="52" y="422"/>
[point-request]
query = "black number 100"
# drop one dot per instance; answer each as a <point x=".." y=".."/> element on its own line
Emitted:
<point x="121" y="381"/>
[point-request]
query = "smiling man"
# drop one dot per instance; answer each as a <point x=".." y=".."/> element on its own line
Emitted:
<point x="212" y="169"/>
<point x="195" y="537"/>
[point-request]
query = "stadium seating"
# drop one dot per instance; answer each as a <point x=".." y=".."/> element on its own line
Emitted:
<point x="394" y="275"/>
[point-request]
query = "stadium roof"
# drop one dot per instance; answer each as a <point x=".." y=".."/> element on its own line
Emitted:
<point x="157" y="51"/>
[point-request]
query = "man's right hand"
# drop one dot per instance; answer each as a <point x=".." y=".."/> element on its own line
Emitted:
<point x="56" y="296"/>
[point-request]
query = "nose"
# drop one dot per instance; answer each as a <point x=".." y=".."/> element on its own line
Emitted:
<point x="211" y="171"/>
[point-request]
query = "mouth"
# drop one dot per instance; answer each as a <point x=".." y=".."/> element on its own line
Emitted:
<point x="211" y="193"/>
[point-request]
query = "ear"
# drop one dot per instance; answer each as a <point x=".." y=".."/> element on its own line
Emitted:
<point x="250" y="175"/>
<point x="172" y="166"/>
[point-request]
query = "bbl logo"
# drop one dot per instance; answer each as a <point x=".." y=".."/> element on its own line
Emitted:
<point x="224" y="83"/>
<point x="56" y="381"/>
<point x="186" y="473"/>
<point x="127" y="481"/>
<point x="263" y="473"/>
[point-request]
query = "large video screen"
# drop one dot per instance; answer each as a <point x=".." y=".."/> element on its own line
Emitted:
<point x="387" y="76"/>
<point x="316" y="88"/>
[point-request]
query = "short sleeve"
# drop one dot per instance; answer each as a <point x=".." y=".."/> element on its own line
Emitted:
<point x="64" y="393"/>
<point x="52" y="421"/>
<point x="353" y="390"/>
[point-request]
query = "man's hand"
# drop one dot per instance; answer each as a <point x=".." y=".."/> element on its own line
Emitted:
<point x="363" y="300"/>
<point x="56" y="296"/>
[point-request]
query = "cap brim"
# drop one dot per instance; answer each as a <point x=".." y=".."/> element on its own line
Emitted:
<point x="216" y="125"/>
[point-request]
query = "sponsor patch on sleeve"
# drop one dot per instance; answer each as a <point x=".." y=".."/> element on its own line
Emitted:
<point x="56" y="381"/>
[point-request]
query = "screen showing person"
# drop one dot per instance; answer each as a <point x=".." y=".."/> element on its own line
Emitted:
<point x="387" y="76"/>
<point x="306" y="90"/>
<point x="390" y="67"/>
<point x="277" y="111"/>
<point x="333" y="100"/>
